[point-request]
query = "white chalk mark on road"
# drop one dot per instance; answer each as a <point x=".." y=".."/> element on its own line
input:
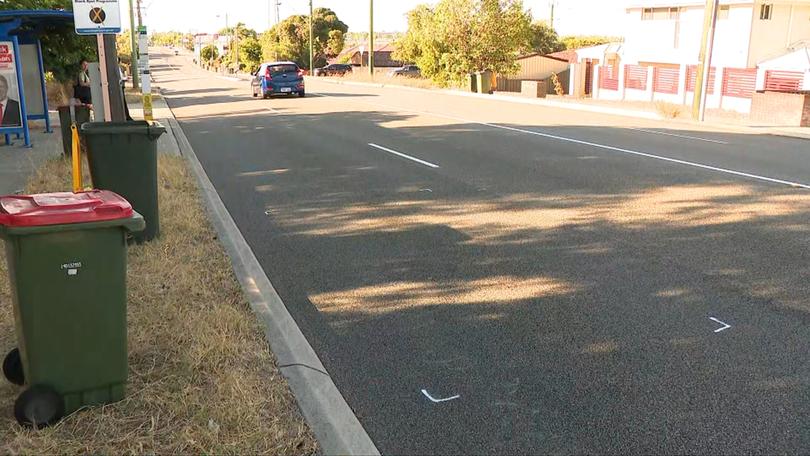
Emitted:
<point x="725" y="325"/>
<point x="655" y="132"/>
<point x="592" y="144"/>
<point x="272" y="110"/>
<point x="400" y="154"/>
<point x="426" y="190"/>
<point x="439" y="400"/>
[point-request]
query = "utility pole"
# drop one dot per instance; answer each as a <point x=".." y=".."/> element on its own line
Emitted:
<point x="140" y="18"/>
<point x="236" y="46"/>
<point x="311" y="43"/>
<point x="551" y="20"/>
<point x="133" y="67"/>
<point x="371" y="38"/>
<point x="704" y="68"/>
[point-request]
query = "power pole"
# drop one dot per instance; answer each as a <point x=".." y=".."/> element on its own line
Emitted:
<point x="236" y="46"/>
<point x="133" y="67"/>
<point x="311" y="43"/>
<point x="551" y="20"/>
<point x="371" y="38"/>
<point x="140" y="18"/>
<point x="704" y="68"/>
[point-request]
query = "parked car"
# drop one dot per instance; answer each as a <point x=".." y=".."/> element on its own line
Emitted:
<point x="278" y="78"/>
<point x="409" y="71"/>
<point x="334" y="69"/>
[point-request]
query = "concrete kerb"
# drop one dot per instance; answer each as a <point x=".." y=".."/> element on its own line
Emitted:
<point x="334" y="423"/>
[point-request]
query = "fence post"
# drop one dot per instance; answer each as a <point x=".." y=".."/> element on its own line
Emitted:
<point x="621" y="81"/>
<point x="682" y="83"/>
<point x="760" y="79"/>
<point x="650" y="83"/>
<point x="719" y="75"/>
<point x="595" y="86"/>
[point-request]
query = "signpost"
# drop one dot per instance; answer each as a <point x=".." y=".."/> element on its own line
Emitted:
<point x="103" y="19"/>
<point x="146" y="76"/>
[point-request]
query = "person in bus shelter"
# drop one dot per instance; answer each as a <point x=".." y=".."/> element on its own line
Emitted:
<point x="9" y="108"/>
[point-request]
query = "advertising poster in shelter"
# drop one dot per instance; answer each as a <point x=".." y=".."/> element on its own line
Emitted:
<point x="10" y="115"/>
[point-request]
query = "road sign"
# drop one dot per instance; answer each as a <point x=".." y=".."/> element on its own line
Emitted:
<point x="93" y="17"/>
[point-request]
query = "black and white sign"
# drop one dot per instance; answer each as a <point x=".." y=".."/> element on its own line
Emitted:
<point x="97" y="16"/>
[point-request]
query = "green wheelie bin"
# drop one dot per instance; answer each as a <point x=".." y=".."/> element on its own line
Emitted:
<point x="123" y="158"/>
<point x="81" y="114"/>
<point x="67" y="262"/>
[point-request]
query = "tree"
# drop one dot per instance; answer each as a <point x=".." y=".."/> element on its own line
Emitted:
<point x="289" y="39"/>
<point x="209" y="53"/>
<point x="579" y="42"/>
<point x="250" y="53"/>
<point x="458" y="37"/>
<point x="544" y="39"/>
<point x="62" y="49"/>
<point x="168" y="39"/>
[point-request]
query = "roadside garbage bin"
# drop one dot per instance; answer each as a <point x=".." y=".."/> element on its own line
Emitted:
<point x="123" y="158"/>
<point x="472" y="82"/>
<point x="82" y="117"/>
<point x="484" y="82"/>
<point x="67" y="261"/>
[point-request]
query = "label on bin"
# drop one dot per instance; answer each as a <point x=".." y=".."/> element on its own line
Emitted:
<point x="63" y="208"/>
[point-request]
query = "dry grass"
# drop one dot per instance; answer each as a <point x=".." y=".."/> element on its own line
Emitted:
<point x="202" y="379"/>
<point x="361" y="75"/>
<point x="668" y="110"/>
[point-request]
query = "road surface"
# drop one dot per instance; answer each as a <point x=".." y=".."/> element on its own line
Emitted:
<point x="569" y="282"/>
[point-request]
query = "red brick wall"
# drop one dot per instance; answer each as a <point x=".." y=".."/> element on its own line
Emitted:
<point x="782" y="109"/>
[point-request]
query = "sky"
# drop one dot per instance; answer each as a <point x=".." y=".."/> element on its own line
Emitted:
<point x="571" y="17"/>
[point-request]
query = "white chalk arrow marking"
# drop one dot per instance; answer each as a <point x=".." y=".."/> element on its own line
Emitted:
<point x="439" y="400"/>
<point x="725" y="325"/>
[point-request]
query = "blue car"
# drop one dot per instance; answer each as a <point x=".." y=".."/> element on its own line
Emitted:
<point x="278" y="78"/>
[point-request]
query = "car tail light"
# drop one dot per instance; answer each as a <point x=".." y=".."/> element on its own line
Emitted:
<point x="267" y="74"/>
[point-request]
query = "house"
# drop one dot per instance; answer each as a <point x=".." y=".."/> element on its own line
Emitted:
<point x="660" y="54"/>
<point x="534" y="67"/>
<point x="358" y="55"/>
<point x="747" y="33"/>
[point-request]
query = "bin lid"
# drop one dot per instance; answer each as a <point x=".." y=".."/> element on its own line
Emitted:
<point x="63" y="208"/>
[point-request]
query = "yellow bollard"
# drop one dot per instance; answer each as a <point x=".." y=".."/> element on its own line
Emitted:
<point x="77" y="160"/>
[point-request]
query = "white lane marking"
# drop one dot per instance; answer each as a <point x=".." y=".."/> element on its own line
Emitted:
<point x="678" y="136"/>
<point x="439" y="400"/>
<point x="426" y="190"/>
<point x="725" y="325"/>
<point x="272" y="110"/>
<point x="598" y="146"/>
<point x="400" y="154"/>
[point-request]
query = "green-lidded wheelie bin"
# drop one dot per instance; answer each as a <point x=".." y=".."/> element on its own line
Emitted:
<point x="67" y="262"/>
<point x="472" y="82"/>
<point x="123" y="158"/>
<point x="81" y="113"/>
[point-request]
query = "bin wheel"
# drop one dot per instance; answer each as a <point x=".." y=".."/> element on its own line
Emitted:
<point x="12" y="367"/>
<point x="39" y="406"/>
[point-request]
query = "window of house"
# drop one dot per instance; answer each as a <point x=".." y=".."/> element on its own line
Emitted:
<point x="766" y="12"/>
<point x="722" y="13"/>
<point x="657" y="14"/>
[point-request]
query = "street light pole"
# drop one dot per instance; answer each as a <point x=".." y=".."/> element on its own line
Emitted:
<point x="311" y="44"/>
<point x="133" y="67"/>
<point x="371" y="38"/>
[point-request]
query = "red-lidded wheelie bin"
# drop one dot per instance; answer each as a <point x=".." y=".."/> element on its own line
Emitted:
<point x="67" y="262"/>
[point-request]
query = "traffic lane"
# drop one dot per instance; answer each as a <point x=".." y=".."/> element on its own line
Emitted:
<point x="773" y="156"/>
<point x="400" y="356"/>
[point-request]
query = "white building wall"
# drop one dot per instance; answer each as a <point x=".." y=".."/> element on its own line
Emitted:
<point x="678" y="40"/>
<point x="771" y="38"/>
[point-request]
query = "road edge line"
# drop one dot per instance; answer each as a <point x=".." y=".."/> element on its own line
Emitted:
<point x="332" y="420"/>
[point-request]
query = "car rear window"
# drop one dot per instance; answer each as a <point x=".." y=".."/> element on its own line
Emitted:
<point x="275" y="69"/>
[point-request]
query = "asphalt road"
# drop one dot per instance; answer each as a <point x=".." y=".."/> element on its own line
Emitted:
<point x="575" y="282"/>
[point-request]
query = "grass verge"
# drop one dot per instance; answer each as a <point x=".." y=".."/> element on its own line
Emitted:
<point x="360" y="75"/>
<point x="202" y="378"/>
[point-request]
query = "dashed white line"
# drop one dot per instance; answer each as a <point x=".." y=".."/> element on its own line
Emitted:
<point x="400" y="154"/>
<point x="678" y="136"/>
<point x="598" y="146"/>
